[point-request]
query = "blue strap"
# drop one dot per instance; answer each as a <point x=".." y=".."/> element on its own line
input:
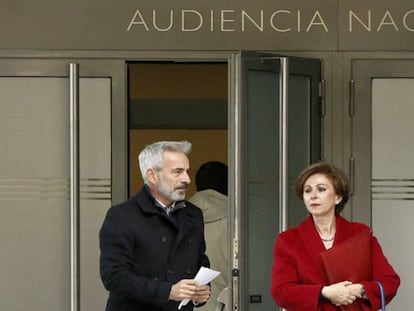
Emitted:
<point x="382" y="295"/>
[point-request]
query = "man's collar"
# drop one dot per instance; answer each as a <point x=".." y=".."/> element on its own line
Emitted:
<point x="168" y="209"/>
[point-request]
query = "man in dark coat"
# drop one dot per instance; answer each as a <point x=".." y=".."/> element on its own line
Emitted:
<point x="153" y="244"/>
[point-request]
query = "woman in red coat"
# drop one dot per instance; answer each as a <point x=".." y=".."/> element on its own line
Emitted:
<point x="299" y="281"/>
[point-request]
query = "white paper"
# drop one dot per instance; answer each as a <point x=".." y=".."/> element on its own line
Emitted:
<point x="203" y="277"/>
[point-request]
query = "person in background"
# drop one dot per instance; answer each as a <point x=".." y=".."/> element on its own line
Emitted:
<point x="298" y="279"/>
<point x="152" y="245"/>
<point x="211" y="197"/>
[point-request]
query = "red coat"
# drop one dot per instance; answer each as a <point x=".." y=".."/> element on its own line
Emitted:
<point x="298" y="274"/>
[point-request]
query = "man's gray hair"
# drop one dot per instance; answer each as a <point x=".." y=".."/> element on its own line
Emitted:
<point x="152" y="156"/>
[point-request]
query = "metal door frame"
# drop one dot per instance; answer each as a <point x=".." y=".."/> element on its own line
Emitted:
<point x="73" y="69"/>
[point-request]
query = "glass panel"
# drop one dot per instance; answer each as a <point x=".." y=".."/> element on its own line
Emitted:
<point x="393" y="178"/>
<point x="95" y="184"/>
<point x="262" y="160"/>
<point x="261" y="154"/>
<point x="34" y="192"/>
<point x="299" y="141"/>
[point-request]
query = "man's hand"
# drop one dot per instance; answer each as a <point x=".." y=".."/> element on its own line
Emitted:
<point x="202" y="294"/>
<point x="188" y="289"/>
<point x="184" y="289"/>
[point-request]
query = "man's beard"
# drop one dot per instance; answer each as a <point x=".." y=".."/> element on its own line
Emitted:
<point x="169" y="193"/>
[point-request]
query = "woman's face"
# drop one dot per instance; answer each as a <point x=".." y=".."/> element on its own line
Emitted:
<point x="319" y="196"/>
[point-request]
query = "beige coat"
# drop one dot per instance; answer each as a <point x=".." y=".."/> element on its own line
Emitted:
<point x="214" y="206"/>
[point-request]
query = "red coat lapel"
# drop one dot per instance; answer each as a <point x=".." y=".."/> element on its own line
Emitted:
<point x="313" y="244"/>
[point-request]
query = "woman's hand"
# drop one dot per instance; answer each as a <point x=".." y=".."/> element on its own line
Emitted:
<point x="357" y="290"/>
<point x="342" y="293"/>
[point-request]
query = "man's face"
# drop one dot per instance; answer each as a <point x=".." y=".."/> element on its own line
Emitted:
<point x="170" y="183"/>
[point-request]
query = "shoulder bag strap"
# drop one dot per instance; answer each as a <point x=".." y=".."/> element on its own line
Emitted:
<point x="382" y="295"/>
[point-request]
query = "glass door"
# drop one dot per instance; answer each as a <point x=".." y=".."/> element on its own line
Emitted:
<point x="276" y="132"/>
<point x="56" y="180"/>
<point x="382" y="153"/>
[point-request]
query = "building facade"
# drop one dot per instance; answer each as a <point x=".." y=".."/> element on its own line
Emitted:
<point x="265" y="86"/>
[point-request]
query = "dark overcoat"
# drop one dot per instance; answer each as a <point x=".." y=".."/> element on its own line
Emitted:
<point x="144" y="252"/>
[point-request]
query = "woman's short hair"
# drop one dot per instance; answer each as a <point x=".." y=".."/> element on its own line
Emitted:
<point x="152" y="156"/>
<point x="337" y="177"/>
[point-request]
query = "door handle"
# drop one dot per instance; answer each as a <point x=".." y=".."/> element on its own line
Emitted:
<point x="74" y="186"/>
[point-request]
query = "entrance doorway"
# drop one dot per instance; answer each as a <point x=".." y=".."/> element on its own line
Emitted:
<point x="250" y="112"/>
<point x="177" y="101"/>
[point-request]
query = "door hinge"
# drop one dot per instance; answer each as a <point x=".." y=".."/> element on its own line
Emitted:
<point x="351" y="109"/>
<point x="236" y="254"/>
<point x="321" y="90"/>
<point x="351" y="176"/>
